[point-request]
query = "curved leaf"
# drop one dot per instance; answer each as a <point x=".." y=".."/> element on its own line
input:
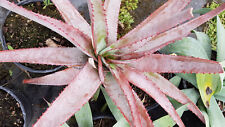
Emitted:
<point x="84" y="116"/>
<point x="58" y="78"/>
<point x="170" y="90"/>
<point x="220" y="41"/>
<point x="221" y="95"/>
<point x="73" y="97"/>
<point x="72" y="34"/>
<point x="141" y="81"/>
<point x="51" y="56"/>
<point x="72" y="16"/>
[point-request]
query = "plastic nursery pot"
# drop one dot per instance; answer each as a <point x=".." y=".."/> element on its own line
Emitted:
<point x="24" y="104"/>
<point x="3" y="17"/>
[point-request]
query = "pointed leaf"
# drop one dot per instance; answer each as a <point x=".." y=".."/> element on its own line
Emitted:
<point x="98" y="24"/>
<point x="175" y="81"/>
<point x="73" y="97"/>
<point x="72" y="16"/>
<point x="58" y="78"/>
<point x="170" y="90"/>
<point x="166" y="121"/>
<point x="52" y="56"/>
<point x="205" y="42"/>
<point x="141" y="81"/>
<point x="112" y="8"/>
<point x="163" y="39"/>
<point x="121" y="123"/>
<point x="216" y="117"/>
<point x="220" y="41"/>
<point x="126" y="89"/>
<point x="167" y="16"/>
<point x="139" y="36"/>
<point x="74" y="35"/>
<point x="172" y="64"/>
<point x="84" y="116"/>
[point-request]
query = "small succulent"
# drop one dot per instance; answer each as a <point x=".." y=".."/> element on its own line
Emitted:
<point x="99" y="58"/>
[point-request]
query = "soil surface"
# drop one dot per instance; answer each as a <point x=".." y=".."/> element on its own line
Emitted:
<point x="10" y="112"/>
<point x="21" y="32"/>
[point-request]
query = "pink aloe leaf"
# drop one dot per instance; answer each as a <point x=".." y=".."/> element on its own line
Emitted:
<point x="167" y="16"/>
<point x="112" y="8"/>
<point x="98" y="24"/>
<point x="170" y="36"/>
<point x="154" y="27"/>
<point x="145" y="119"/>
<point x="63" y="77"/>
<point x="73" y="97"/>
<point x="118" y="97"/>
<point x="51" y="56"/>
<point x="74" y="35"/>
<point x="127" y="90"/>
<point x="173" y="64"/>
<point x="141" y="81"/>
<point x="172" y="91"/>
<point x="72" y="16"/>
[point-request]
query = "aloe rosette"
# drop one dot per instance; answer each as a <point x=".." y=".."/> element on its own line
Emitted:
<point x="115" y="62"/>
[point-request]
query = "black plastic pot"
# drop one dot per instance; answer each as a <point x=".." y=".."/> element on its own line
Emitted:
<point x="25" y="105"/>
<point x="4" y="46"/>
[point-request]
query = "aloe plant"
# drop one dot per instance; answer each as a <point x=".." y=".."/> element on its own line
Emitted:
<point x="100" y="58"/>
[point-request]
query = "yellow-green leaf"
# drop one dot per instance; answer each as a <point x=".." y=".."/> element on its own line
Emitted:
<point x="208" y="85"/>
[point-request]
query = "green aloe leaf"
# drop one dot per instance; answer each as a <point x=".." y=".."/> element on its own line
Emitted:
<point x="84" y="116"/>
<point x="204" y="112"/>
<point x="220" y="41"/>
<point x="205" y="42"/>
<point x="122" y="123"/>
<point x="215" y="115"/>
<point x="221" y="95"/>
<point x="189" y="77"/>
<point x="175" y="80"/>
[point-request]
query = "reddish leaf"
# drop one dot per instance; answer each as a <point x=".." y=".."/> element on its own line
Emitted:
<point x="118" y="97"/>
<point x="127" y="90"/>
<point x="141" y="81"/>
<point x="173" y="64"/>
<point x="73" y="97"/>
<point x="168" y="37"/>
<point x="72" y="34"/>
<point x="98" y="24"/>
<point x="153" y="28"/>
<point x="167" y="16"/>
<point x="171" y="90"/>
<point x="52" y="56"/>
<point x="112" y="8"/>
<point x="145" y="119"/>
<point x="72" y="16"/>
<point x="58" y="78"/>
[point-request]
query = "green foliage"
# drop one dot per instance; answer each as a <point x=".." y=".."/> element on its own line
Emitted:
<point x="47" y="3"/>
<point x="211" y="25"/>
<point x="125" y="18"/>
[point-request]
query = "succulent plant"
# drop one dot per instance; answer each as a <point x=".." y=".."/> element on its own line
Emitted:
<point x="100" y="58"/>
